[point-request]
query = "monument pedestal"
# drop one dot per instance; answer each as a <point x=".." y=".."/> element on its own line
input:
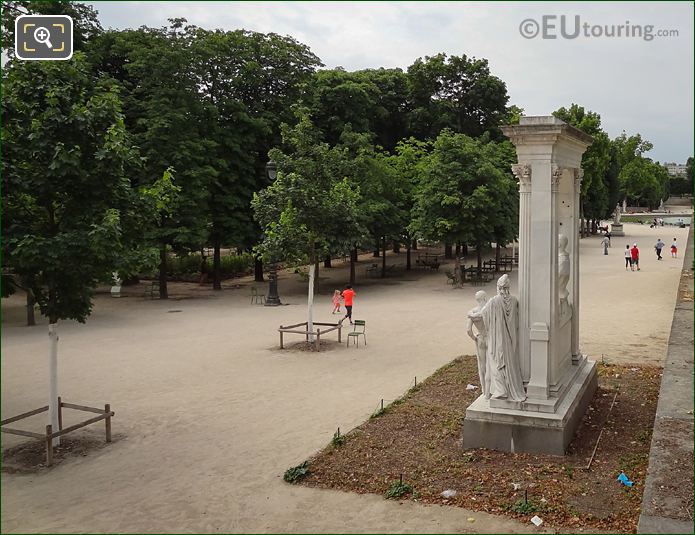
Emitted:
<point x="530" y="431"/>
<point x="559" y="381"/>
<point x="617" y="229"/>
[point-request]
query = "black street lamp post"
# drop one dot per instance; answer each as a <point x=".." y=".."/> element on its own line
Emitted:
<point x="273" y="298"/>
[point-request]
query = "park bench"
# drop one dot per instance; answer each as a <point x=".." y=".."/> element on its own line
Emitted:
<point x="372" y="271"/>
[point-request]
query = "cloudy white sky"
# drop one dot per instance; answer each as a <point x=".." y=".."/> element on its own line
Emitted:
<point x="635" y="84"/>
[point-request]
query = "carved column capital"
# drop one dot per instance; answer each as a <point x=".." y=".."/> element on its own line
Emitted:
<point x="578" y="176"/>
<point x="522" y="172"/>
<point x="557" y="175"/>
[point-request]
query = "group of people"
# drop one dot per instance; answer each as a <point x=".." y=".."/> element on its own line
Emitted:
<point x="632" y="253"/>
<point x="347" y="295"/>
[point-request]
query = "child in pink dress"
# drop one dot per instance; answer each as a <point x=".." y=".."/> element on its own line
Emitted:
<point x="336" y="302"/>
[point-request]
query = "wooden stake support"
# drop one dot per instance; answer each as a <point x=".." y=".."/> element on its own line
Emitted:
<point x="106" y="414"/>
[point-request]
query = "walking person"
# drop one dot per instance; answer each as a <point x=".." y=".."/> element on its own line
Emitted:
<point x="605" y="242"/>
<point x="634" y="253"/>
<point x="348" y="295"/>
<point x="336" y="302"/>
<point x="659" y="246"/>
<point x="674" y="249"/>
<point x="628" y="258"/>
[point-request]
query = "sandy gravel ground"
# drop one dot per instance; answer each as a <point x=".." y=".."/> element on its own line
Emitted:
<point x="209" y="412"/>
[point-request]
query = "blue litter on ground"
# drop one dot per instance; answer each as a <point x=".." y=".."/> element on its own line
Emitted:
<point x="625" y="480"/>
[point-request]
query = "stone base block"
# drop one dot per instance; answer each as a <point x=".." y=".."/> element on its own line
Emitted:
<point x="617" y="230"/>
<point x="524" y="431"/>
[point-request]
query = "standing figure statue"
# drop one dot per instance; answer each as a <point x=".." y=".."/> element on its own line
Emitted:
<point x="480" y="342"/>
<point x="616" y="215"/>
<point x="563" y="272"/>
<point x="500" y="317"/>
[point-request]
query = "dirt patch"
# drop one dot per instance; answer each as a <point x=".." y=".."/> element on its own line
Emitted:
<point x="30" y="457"/>
<point x="419" y="436"/>
<point x="304" y="346"/>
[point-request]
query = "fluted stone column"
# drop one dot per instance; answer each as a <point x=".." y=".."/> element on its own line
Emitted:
<point x="522" y="171"/>
<point x="574" y="280"/>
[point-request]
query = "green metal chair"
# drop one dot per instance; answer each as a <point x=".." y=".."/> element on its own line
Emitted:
<point x="358" y="329"/>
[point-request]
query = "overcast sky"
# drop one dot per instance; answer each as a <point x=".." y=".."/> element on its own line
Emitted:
<point x="635" y="84"/>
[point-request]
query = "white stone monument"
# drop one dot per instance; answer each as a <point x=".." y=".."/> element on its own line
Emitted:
<point x="116" y="288"/>
<point x="617" y="226"/>
<point x="480" y="339"/>
<point x="559" y="381"/>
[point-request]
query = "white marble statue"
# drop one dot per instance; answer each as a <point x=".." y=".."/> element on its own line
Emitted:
<point x="116" y="288"/>
<point x="563" y="272"/>
<point x="500" y="317"/>
<point x="480" y="342"/>
<point x="616" y="215"/>
<point x="624" y="206"/>
<point x="662" y="208"/>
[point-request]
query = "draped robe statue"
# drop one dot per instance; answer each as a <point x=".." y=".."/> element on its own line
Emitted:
<point x="480" y="343"/>
<point x="500" y="316"/>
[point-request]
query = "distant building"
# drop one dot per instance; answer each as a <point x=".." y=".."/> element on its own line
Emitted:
<point x="675" y="169"/>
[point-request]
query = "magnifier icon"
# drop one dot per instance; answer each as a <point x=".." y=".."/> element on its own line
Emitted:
<point x="42" y="35"/>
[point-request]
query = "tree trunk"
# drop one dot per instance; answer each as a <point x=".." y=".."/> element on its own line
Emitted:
<point x="31" y="317"/>
<point x="383" y="258"/>
<point x="53" y="379"/>
<point x="327" y="262"/>
<point x="414" y="244"/>
<point x="353" y="261"/>
<point x="310" y="300"/>
<point x="448" y="251"/>
<point x="458" y="249"/>
<point x="479" y="251"/>
<point x="407" y="256"/>
<point x="316" y="275"/>
<point x="216" y="266"/>
<point x="376" y="248"/>
<point x="163" y="290"/>
<point x="203" y="265"/>
<point x="498" y="254"/>
<point x="258" y="269"/>
<point x="464" y="249"/>
<point x="396" y="246"/>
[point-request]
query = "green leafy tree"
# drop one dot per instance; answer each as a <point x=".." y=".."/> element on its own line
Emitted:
<point x="464" y="193"/>
<point x="382" y="208"/>
<point x="168" y="119"/>
<point x="683" y="185"/>
<point x="595" y="163"/>
<point x="408" y="160"/>
<point x="643" y="181"/>
<point x="70" y="215"/>
<point x="369" y="101"/>
<point x="455" y="92"/>
<point x="297" y="212"/>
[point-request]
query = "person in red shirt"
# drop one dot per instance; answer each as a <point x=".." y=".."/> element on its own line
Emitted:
<point x="634" y="253"/>
<point x="348" y="295"/>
